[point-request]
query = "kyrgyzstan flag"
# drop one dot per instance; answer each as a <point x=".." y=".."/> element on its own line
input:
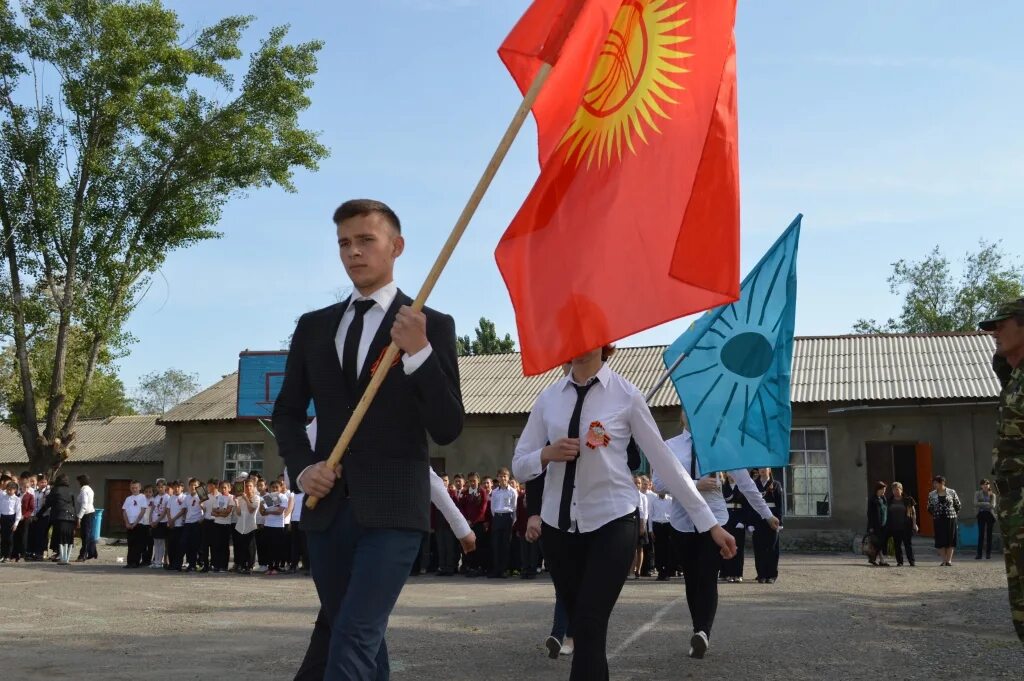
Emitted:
<point x="634" y="220"/>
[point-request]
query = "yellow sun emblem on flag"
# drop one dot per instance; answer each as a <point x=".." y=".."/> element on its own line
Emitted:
<point x="637" y="68"/>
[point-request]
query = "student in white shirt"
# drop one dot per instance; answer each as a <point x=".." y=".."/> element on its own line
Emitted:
<point x="503" y="516"/>
<point x="695" y="548"/>
<point x="247" y="506"/>
<point x="589" y="503"/>
<point x="665" y="562"/>
<point x="206" y="526"/>
<point x="642" y="518"/>
<point x="190" y="537"/>
<point x="223" y="512"/>
<point x="262" y="554"/>
<point x="41" y="523"/>
<point x="10" y="518"/>
<point x="147" y="522"/>
<point x="273" y="507"/>
<point x="85" y="510"/>
<point x="133" y="514"/>
<point x="159" y="505"/>
<point x="177" y="507"/>
<point x="297" y="537"/>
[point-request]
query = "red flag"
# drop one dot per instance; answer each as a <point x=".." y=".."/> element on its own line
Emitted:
<point x="634" y="220"/>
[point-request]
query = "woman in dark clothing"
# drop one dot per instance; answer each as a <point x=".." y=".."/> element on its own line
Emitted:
<point x="944" y="505"/>
<point x="984" y="503"/>
<point x="901" y="522"/>
<point x="877" y="516"/>
<point x="61" y="504"/>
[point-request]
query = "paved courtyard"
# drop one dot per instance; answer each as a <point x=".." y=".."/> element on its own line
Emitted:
<point x="828" y="617"/>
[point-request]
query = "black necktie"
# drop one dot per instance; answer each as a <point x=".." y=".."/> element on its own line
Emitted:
<point x="569" y="480"/>
<point x="350" y="352"/>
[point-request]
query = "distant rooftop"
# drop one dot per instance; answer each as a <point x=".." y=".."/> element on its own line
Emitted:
<point x="848" y="368"/>
<point x="119" y="439"/>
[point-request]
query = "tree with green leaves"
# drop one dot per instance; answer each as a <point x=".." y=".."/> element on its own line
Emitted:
<point x="121" y="140"/>
<point x="104" y="397"/>
<point x="487" y="341"/>
<point x="159" y="392"/>
<point x="935" y="301"/>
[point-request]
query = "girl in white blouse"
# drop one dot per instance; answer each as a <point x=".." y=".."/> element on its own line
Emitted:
<point x="589" y="504"/>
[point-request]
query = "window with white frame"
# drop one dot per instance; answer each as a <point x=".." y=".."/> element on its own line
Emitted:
<point x="808" y="480"/>
<point x="242" y="457"/>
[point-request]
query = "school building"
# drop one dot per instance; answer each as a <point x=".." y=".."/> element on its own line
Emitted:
<point x="111" y="451"/>
<point x="865" y="408"/>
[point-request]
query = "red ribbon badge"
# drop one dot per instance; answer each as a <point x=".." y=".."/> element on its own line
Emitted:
<point x="380" y="358"/>
<point x="597" y="436"/>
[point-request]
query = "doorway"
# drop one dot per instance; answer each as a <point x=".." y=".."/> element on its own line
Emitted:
<point x="117" y="492"/>
<point x="908" y="462"/>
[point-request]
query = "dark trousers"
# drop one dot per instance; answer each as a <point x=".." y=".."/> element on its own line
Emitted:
<point x="88" y="534"/>
<point x="588" y="570"/>
<point x="175" y="546"/>
<point x="190" y="539"/>
<point x="902" y="539"/>
<point x="560" y="624"/>
<point x="205" y="543"/>
<point x="40" y="528"/>
<point x="6" y="535"/>
<point x="220" y="549"/>
<point x="422" y="560"/>
<point x="147" y="545"/>
<point x="20" y="549"/>
<point x="766" y="551"/>
<point x="261" y="545"/>
<point x="986" y="521"/>
<point x="275" y="544"/>
<point x="734" y="566"/>
<point x="136" y="544"/>
<point x="529" y="556"/>
<point x="701" y="561"/>
<point x="245" y="548"/>
<point x="480" y="560"/>
<point x="359" y="573"/>
<point x="447" y="548"/>
<point x="663" y="548"/>
<point x="298" y="546"/>
<point x="501" y="540"/>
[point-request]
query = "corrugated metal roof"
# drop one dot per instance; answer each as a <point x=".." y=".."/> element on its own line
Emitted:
<point x="217" y="403"/>
<point x="855" y="368"/>
<point x="894" y="367"/>
<point x="119" y="439"/>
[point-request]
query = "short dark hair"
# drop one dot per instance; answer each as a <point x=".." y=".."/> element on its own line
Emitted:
<point x="61" y="480"/>
<point x="939" y="479"/>
<point x="356" y="207"/>
<point x="83" y="479"/>
<point x="984" y="481"/>
<point x="880" y="485"/>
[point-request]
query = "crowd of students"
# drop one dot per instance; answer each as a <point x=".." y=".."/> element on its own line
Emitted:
<point x="250" y="524"/>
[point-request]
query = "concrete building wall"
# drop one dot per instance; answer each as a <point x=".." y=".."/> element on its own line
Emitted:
<point x="198" y="449"/>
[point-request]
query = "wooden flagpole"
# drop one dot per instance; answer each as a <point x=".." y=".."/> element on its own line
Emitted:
<point x="549" y="54"/>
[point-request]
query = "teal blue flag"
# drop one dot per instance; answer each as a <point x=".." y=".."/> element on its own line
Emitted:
<point x="734" y="379"/>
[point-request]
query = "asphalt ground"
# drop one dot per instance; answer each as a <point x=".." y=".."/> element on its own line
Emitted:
<point x="828" y="617"/>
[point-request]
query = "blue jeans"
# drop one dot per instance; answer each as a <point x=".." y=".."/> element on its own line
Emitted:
<point x="560" y="625"/>
<point x="359" y="573"/>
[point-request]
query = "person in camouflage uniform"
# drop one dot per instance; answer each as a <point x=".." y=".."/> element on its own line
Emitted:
<point x="1007" y="325"/>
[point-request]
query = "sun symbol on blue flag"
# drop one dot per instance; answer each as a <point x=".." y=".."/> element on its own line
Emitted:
<point x="734" y="380"/>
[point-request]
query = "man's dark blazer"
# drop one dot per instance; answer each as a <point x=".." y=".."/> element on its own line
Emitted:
<point x="385" y="473"/>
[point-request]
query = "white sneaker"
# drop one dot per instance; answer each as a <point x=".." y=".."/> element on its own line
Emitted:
<point x="554" y="646"/>
<point x="260" y="568"/>
<point x="567" y="647"/>
<point x="698" y="645"/>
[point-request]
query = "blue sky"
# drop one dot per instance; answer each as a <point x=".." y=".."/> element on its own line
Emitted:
<point x="893" y="127"/>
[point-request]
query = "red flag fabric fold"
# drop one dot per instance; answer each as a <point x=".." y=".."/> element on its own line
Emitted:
<point x="634" y="220"/>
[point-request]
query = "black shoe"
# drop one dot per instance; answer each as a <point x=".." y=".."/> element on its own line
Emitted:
<point x="554" y="647"/>
<point x="977" y="557"/>
<point x="662" y="578"/>
<point x="205" y="569"/>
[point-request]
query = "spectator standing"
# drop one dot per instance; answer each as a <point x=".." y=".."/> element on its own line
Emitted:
<point x="901" y="522"/>
<point x="984" y="503"/>
<point x="944" y="505"/>
<point x="86" y="513"/>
